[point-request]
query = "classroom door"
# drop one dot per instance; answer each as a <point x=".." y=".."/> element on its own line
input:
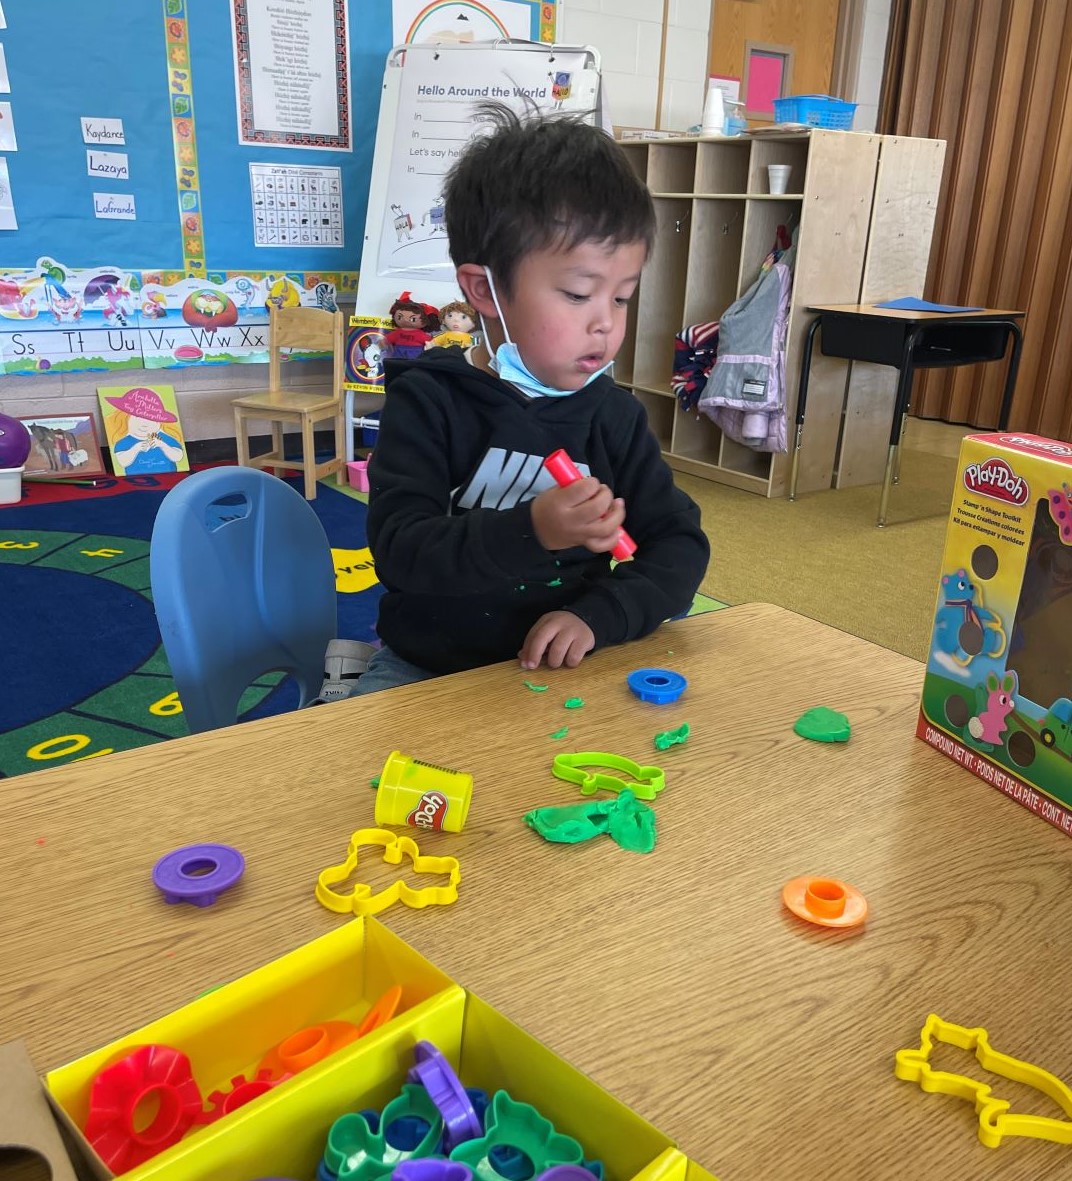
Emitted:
<point x="808" y="30"/>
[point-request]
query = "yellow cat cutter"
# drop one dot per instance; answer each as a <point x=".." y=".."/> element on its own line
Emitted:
<point x="995" y="1119"/>
<point x="361" y="900"/>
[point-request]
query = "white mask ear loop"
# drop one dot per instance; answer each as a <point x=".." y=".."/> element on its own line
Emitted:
<point x="495" y="300"/>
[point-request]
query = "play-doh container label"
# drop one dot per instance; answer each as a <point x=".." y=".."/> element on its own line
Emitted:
<point x="422" y="795"/>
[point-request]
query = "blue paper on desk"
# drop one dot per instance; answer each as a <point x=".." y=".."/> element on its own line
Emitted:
<point x="909" y="303"/>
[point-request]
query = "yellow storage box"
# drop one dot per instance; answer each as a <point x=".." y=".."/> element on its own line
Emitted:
<point x="338" y="977"/>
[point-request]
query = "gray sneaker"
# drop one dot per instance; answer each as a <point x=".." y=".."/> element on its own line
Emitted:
<point x="344" y="662"/>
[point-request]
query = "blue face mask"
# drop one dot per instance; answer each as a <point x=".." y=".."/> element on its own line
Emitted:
<point x="508" y="364"/>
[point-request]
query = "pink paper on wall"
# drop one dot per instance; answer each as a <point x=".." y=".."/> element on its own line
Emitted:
<point x="765" y="72"/>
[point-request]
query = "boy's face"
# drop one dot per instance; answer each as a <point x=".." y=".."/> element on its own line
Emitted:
<point x="567" y="311"/>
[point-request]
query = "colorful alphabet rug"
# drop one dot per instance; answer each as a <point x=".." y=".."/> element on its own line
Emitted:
<point x="81" y="662"/>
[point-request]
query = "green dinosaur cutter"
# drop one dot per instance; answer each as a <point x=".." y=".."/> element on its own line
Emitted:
<point x="355" y="1153"/>
<point x="521" y="1127"/>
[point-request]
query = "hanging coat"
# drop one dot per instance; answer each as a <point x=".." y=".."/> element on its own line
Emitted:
<point x="745" y="393"/>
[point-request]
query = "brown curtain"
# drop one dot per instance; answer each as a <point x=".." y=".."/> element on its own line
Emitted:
<point x="993" y="78"/>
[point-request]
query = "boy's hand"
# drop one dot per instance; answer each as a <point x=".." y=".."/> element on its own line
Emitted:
<point x="583" y="513"/>
<point x="560" y="637"/>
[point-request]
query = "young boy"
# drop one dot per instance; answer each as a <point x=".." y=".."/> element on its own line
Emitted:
<point x="482" y="556"/>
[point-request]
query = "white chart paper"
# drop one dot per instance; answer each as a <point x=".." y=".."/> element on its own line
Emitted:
<point x="8" y="221"/>
<point x="435" y="121"/>
<point x="7" y="129"/>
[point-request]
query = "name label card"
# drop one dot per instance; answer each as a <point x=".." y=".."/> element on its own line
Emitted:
<point x="115" y="206"/>
<point x="102" y="131"/>
<point x="111" y="165"/>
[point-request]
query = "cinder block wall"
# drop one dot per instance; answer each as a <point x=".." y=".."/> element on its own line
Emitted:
<point x="628" y="35"/>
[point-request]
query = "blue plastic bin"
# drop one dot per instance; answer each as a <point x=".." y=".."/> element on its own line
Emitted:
<point x="815" y="110"/>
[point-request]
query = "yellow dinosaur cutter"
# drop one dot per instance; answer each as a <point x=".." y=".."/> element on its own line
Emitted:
<point x="995" y="1119"/>
<point x="361" y="900"/>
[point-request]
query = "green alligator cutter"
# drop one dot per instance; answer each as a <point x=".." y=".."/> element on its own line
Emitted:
<point x="644" y="782"/>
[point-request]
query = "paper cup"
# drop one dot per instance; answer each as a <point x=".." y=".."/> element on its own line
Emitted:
<point x="778" y="177"/>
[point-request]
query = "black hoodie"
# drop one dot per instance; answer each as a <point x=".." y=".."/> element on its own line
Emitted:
<point x="457" y="461"/>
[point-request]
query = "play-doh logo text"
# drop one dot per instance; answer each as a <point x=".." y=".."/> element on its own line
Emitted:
<point x="1037" y="444"/>
<point x="431" y="810"/>
<point x="996" y="479"/>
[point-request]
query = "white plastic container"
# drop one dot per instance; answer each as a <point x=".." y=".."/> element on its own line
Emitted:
<point x="11" y="484"/>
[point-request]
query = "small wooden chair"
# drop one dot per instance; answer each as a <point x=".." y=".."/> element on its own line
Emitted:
<point x="296" y="328"/>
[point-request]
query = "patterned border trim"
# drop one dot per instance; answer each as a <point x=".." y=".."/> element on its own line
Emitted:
<point x="547" y="20"/>
<point x="184" y="137"/>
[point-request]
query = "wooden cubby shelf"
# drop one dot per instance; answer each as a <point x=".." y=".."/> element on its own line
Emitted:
<point x="850" y="211"/>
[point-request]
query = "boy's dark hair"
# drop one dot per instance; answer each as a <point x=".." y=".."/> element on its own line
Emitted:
<point x="535" y="182"/>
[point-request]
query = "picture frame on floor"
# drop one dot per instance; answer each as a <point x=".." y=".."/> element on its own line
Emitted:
<point x="65" y="446"/>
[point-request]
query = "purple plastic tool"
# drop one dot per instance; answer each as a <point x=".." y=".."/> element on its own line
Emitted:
<point x="566" y="1173"/>
<point x="198" y="874"/>
<point x="434" y="1073"/>
<point x="432" y="1169"/>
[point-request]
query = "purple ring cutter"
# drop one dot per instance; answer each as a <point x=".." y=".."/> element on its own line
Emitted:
<point x="198" y="874"/>
<point x="435" y="1074"/>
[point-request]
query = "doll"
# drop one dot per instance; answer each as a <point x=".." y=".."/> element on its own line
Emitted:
<point x="414" y="324"/>
<point x="459" y="320"/>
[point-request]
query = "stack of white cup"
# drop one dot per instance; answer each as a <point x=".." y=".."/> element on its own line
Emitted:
<point x="778" y="177"/>
<point x="714" y="113"/>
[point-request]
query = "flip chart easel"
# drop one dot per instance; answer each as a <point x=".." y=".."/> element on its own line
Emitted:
<point x="428" y="110"/>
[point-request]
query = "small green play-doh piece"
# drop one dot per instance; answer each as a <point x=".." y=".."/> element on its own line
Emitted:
<point x="823" y="725"/>
<point x="535" y="688"/>
<point x="672" y="737"/>
<point x="561" y="732"/>
<point x="573" y="702"/>
<point x="374" y="781"/>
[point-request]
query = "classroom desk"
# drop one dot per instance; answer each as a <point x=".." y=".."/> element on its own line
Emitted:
<point x="763" y="1046"/>
<point x="907" y="341"/>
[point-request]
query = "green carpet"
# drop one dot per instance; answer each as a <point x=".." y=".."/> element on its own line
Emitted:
<point x="823" y="557"/>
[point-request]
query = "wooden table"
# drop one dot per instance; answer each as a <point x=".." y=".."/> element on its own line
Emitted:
<point x="907" y="341"/>
<point x="677" y="980"/>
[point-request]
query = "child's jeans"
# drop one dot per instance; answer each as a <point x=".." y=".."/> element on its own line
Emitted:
<point x="387" y="670"/>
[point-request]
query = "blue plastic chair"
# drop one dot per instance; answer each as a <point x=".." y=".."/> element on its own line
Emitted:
<point x="244" y="583"/>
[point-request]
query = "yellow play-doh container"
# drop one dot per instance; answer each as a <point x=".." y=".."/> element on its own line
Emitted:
<point x="423" y="795"/>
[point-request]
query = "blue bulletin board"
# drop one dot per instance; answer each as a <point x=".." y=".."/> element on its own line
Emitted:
<point x="66" y="59"/>
<point x="167" y="70"/>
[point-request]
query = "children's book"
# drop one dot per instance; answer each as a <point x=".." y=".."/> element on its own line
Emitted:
<point x="142" y="425"/>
